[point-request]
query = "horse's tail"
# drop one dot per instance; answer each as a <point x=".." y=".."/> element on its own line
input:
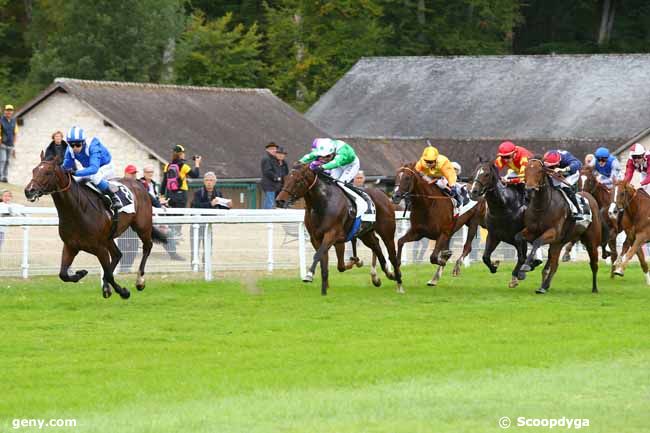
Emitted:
<point x="158" y="236"/>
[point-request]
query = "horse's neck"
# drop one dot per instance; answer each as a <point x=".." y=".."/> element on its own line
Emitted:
<point x="71" y="202"/>
<point x="422" y="191"/>
<point x="316" y="198"/>
<point x="602" y="196"/>
<point x="541" y="198"/>
<point x="497" y="197"/>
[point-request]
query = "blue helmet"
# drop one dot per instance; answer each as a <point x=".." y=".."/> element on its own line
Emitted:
<point x="75" y="134"/>
<point x="601" y="153"/>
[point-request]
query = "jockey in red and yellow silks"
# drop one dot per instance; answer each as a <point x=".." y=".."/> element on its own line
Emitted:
<point x="515" y="158"/>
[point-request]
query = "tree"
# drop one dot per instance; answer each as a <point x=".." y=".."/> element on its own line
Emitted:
<point x="106" y="39"/>
<point x="218" y="53"/>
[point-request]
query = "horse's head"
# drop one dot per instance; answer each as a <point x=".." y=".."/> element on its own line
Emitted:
<point x="587" y="181"/>
<point x="622" y="194"/>
<point x="299" y="181"/>
<point x="47" y="177"/>
<point x="485" y="179"/>
<point x="404" y="182"/>
<point x="535" y="174"/>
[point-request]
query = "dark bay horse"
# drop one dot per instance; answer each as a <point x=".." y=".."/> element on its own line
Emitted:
<point x="432" y="217"/>
<point x="547" y="221"/>
<point x="505" y="216"/>
<point x="329" y="218"/>
<point x="85" y="223"/>
<point x="631" y="207"/>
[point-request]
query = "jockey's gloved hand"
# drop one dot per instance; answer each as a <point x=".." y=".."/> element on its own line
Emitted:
<point x="316" y="166"/>
<point x="561" y="170"/>
<point x="72" y="171"/>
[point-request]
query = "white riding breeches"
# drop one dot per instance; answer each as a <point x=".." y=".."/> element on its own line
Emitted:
<point x="346" y="173"/>
<point x="105" y="172"/>
<point x="571" y="180"/>
<point x="361" y="204"/>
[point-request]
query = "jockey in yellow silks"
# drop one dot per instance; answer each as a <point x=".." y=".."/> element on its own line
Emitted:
<point x="437" y="168"/>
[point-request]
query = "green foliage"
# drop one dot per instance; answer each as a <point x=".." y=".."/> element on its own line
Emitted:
<point x="107" y="39"/>
<point x="219" y="53"/>
<point x="276" y="356"/>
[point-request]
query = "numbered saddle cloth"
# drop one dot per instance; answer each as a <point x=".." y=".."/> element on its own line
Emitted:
<point x="123" y="193"/>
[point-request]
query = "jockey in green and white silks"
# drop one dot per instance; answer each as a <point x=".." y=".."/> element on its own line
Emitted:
<point x="339" y="160"/>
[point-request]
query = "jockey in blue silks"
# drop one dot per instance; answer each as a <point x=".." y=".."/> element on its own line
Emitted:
<point x="95" y="159"/>
<point x="607" y="168"/>
<point x="567" y="166"/>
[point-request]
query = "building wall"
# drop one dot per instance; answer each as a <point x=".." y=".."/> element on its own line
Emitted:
<point x="60" y="111"/>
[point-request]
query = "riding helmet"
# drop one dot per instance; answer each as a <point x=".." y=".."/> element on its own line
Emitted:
<point x="552" y="157"/>
<point x="601" y="153"/>
<point x="75" y="134"/>
<point x="507" y="148"/>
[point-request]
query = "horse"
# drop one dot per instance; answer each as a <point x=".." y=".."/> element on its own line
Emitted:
<point x="631" y="207"/>
<point x="329" y="218"/>
<point x="547" y="221"/>
<point x="432" y="217"/>
<point x="85" y="223"/>
<point x="504" y="218"/>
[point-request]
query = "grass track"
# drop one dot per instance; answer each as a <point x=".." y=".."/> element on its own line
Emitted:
<point x="274" y="355"/>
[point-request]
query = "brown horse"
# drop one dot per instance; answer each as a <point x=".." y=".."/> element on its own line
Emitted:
<point x="547" y="221"/>
<point x="432" y="217"/>
<point x="85" y="223"/>
<point x="632" y="208"/>
<point x="329" y="218"/>
<point x="611" y="224"/>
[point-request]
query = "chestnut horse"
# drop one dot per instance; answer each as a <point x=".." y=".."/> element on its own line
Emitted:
<point x="432" y="217"/>
<point x="547" y="221"/>
<point x="329" y="218"/>
<point x="85" y="223"/>
<point x="632" y="208"/>
<point x="505" y="216"/>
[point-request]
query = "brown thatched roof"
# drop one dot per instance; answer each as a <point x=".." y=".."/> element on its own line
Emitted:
<point x="228" y="127"/>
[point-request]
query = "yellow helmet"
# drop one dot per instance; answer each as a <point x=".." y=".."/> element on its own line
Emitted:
<point x="430" y="153"/>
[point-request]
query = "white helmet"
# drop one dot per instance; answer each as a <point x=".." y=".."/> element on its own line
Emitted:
<point x="457" y="167"/>
<point x="325" y="146"/>
<point x="637" y="150"/>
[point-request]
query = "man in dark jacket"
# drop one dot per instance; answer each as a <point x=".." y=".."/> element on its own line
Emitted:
<point x="271" y="176"/>
<point x="283" y="168"/>
<point x="207" y="197"/>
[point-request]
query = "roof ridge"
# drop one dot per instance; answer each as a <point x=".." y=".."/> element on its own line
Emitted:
<point x="64" y="80"/>
<point x="505" y="56"/>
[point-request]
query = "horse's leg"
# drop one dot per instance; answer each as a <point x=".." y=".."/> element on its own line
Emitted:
<point x="604" y="236"/>
<point x="321" y="250"/>
<point x="340" y="258"/>
<point x="370" y="240"/>
<point x="593" y="264"/>
<point x="546" y="238"/>
<point x="147" y="245"/>
<point x="517" y="274"/>
<point x="639" y="240"/>
<point x="67" y="257"/>
<point x="491" y="244"/>
<point x="354" y="260"/>
<point x="409" y="236"/>
<point x="467" y="248"/>
<point x="441" y="253"/>
<point x="116" y="255"/>
<point x="552" y="263"/>
<point x="566" y="257"/>
<point x="324" y="272"/>
<point x="644" y="265"/>
<point x="389" y="242"/>
<point x="104" y="256"/>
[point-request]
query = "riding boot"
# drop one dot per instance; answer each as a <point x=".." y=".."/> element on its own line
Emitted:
<point x="116" y="204"/>
<point x="577" y="215"/>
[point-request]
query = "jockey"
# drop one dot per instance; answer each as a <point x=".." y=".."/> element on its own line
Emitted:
<point x="568" y="166"/>
<point x="95" y="160"/>
<point x="515" y="158"/>
<point x="607" y="168"/>
<point x="339" y="159"/>
<point x="639" y="161"/>
<point x="438" y="168"/>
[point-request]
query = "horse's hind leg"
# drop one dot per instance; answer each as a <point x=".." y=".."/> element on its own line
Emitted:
<point x="104" y="257"/>
<point x="467" y="248"/>
<point x="324" y="273"/>
<point x="566" y="257"/>
<point x="67" y="257"/>
<point x="370" y="240"/>
<point x="554" y="252"/>
<point x="147" y="244"/>
<point x="644" y="265"/>
<point x="389" y="241"/>
<point x="354" y="260"/>
<point x="491" y="244"/>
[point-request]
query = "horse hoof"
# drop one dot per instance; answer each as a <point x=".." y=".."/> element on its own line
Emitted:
<point x="125" y="294"/>
<point x="606" y="254"/>
<point x="359" y="264"/>
<point x="619" y="273"/>
<point x="536" y="263"/>
<point x="456" y="271"/>
<point x="308" y="278"/>
<point x="566" y="258"/>
<point x="540" y="291"/>
<point x="376" y="282"/>
<point x="139" y="287"/>
<point x="80" y="274"/>
<point x="512" y="284"/>
<point x="521" y="276"/>
<point x="401" y="290"/>
<point x="106" y="294"/>
<point x="432" y="283"/>
<point x="525" y="268"/>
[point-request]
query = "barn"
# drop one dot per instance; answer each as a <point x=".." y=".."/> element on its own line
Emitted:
<point x="141" y="123"/>
<point x="388" y="107"/>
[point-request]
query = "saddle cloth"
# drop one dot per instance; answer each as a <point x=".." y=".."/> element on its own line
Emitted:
<point x="365" y="211"/>
<point x="585" y="211"/>
<point x="466" y="203"/>
<point x="123" y="193"/>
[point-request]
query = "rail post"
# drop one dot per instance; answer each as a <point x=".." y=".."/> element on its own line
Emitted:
<point x="269" y="238"/>
<point x="301" y="249"/>
<point x="207" y="250"/>
<point x="195" y="247"/>
<point x="25" y="262"/>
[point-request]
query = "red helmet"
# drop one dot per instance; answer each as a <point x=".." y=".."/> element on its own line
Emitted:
<point x="552" y="157"/>
<point x="507" y="148"/>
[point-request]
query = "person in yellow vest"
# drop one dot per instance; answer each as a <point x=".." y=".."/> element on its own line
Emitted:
<point x="438" y="169"/>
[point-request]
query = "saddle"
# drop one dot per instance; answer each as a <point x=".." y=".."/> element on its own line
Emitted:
<point x="123" y="193"/>
<point x="362" y="208"/>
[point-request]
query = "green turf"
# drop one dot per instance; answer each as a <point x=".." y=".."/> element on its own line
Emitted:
<point x="273" y="355"/>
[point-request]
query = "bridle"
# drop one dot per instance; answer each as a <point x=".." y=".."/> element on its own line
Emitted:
<point x="40" y="187"/>
<point x="406" y="195"/>
<point x="301" y="181"/>
<point x="483" y="188"/>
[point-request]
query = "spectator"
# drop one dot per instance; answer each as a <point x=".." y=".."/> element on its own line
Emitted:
<point x="9" y="135"/>
<point x="128" y="241"/>
<point x="57" y="147"/>
<point x="174" y="188"/>
<point x="271" y="178"/>
<point x="359" y="179"/>
<point x="207" y="197"/>
<point x="152" y="186"/>
<point x="281" y="154"/>
<point x="7" y="208"/>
